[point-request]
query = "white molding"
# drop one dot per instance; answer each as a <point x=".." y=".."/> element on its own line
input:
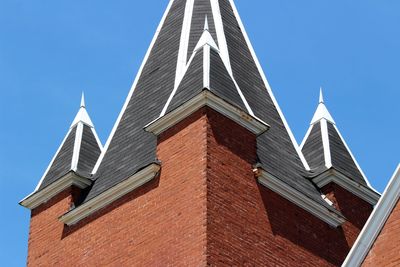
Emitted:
<point x="184" y="42"/>
<point x="342" y="180"/>
<point x="111" y="195"/>
<point x="206" y="66"/>
<point x="375" y="223"/>
<point x="266" y="83"/>
<point x="52" y="161"/>
<point x="219" y="29"/>
<point x="354" y="159"/>
<point x="77" y="147"/>
<point x="96" y="167"/>
<point x="37" y="198"/>
<point x="326" y="143"/>
<point x="97" y="139"/>
<point x="207" y="98"/>
<point x="306" y="137"/>
<point x="299" y="199"/>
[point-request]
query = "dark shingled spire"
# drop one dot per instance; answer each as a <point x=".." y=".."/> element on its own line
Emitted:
<point x="324" y="147"/>
<point x="78" y="152"/>
<point x="172" y="73"/>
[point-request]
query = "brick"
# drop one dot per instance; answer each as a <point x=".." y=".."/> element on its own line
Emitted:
<point x="205" y="208"/>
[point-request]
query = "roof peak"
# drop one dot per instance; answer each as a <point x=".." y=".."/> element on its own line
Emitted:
<point x="83" y="100"/>
<point x="321" y="96"/>
<point x="206" y="38"/>
<point x="82" y="115"/>
<point x="322" y="111"/>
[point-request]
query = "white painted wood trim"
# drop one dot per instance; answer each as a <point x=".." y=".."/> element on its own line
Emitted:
<point x="146" y="57"/>
<point x="37" y="198"/>
<point x="354" y="159"/>
<point x="111" y="195"/>
<point x="333" y="176"/>
<point x="325" y="143"/>
<point x="52" y="161"/>
<point x="77" y="147"/>
<point x="300" y="199"/>
<point x="375" y="223"/>
<point x="184" y="42"/>
<point x="207" y="98"/>
<point x="266" y="83"/>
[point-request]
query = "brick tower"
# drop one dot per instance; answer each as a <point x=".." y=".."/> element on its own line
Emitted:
<point x="201" y="167"/>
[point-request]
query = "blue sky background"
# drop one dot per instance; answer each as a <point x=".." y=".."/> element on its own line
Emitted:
<point x="52" y="50"/>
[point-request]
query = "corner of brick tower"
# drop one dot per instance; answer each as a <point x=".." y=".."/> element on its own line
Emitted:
<point x="205" y="208"/>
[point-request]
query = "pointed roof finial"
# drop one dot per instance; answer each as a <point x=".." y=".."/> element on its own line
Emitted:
<point x="206" y="28"/>
<point x="83" y="100"/>
<point x="322" y="112"/>
<point x="321" y="95"/>
<point x="82" y="115"/>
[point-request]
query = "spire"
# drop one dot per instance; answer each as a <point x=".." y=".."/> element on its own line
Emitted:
<point x="82" y="115"/>
<point x="83" y="100"/>
<point x="322" y="112"/>
<point x="321" y="96"/>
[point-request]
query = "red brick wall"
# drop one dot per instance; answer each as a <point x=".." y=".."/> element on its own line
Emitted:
<point x="161" y="224"/>
<point x="206" y="207"/>
<point x="356" y="210"/>
<point x="251" y="225"/>
<point x="385" y="251"/>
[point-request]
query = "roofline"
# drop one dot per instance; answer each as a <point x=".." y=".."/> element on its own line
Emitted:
<point x="112" y="194"/>
<point x="52" y="161"/>
<point x="266" y="83"/>
<point x="207" y="98"/>
<point x="335" y="176"/>
<point x="39" y="197"/>
<point x="354" y="159"/>
<point x="375" y="222"/>
<point x="146" y="57"/>
<point x="334" y="219"/>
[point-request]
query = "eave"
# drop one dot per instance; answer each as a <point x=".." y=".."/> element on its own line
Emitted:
<point x="207" y="98"/>
<point x="334" y="219"/>
<point x="111" y="195"/>
<point x="333" y="176"/>
<point x="39" y="197"/>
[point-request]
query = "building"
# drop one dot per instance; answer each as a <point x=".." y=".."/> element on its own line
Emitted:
<point x="201" y="167"/>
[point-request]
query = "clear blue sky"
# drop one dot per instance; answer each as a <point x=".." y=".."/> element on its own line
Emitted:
<point x="52" y="50"/>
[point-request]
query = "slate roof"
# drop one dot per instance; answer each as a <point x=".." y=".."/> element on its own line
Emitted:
<point x="130" y="148"/>
<point x="332" y="154"/>
<point x="78" y="152"/>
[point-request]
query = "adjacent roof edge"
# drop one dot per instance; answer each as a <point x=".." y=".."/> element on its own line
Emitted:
<point x="107" y="197"/>
<point x="332" y="217"/>
<point x="39" y="197"/>
<point x="267" y="85"/>
<point x="342" y="180"/>
<point x="207" y="98"/>
<point x="375" y="223"/>
<point x="114" y="129"/>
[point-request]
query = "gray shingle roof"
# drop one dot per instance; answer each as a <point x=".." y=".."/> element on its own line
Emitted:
<point x="323" y="127"/>
<point x="79" y="151"/>
<point x="131" y="148"/>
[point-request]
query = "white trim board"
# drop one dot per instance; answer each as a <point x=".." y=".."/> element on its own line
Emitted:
<point x="375" y="223"/>
<point x="51" y="163"/>
<point x="333" y="176"/>
<point x="110" y="195"/>
<point x="207" y="98"/>
<point x="96" y="167"/>
<point x="37" y="198"/>
<point x="299" y="199"/>
<point x="266" y="83"/>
